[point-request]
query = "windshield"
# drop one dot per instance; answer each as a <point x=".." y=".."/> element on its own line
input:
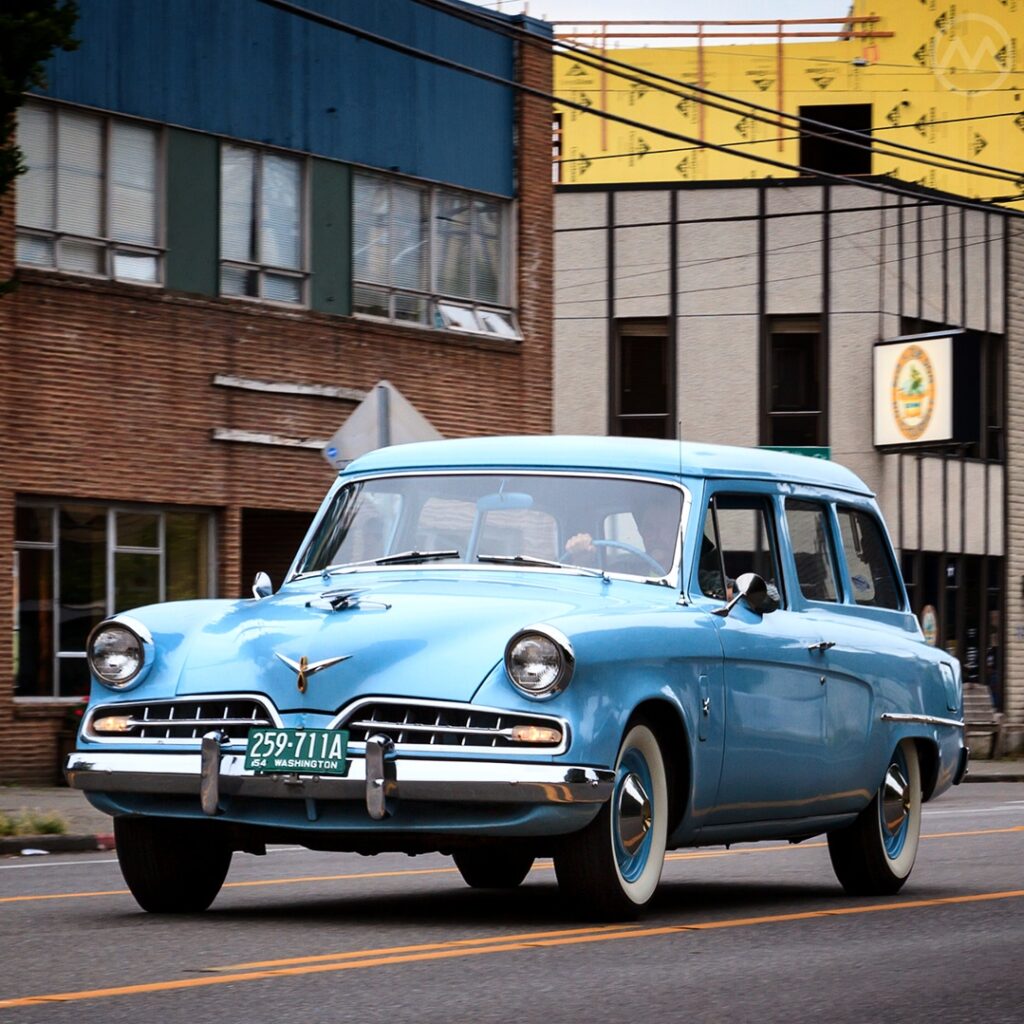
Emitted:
<point x="621" y="526"/>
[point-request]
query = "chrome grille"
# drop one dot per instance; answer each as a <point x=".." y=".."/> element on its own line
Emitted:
<point x="434" y="724"/>
<point x="183" y="720"/>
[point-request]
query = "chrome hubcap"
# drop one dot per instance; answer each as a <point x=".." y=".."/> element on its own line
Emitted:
<point x="895" y="799"/>
<point x="634" y="813"/>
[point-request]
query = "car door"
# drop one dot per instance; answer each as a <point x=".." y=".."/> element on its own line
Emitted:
<point x="776" y="750"/>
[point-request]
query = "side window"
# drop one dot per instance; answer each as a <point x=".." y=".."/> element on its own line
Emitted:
<point x="738" y="534"/>
<point x="867" y="559"/>
<point x="812" y="550"/>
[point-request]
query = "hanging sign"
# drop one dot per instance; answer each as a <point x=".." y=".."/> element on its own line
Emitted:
<point x="926" y="390"/>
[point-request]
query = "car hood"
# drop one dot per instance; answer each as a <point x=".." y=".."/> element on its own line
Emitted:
<point x="435" y="636"/>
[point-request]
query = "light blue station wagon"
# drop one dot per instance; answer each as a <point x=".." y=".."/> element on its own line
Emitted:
<point x="593" y="649"/>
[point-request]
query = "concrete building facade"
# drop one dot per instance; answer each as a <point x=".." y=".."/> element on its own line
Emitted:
<point x="748" y="313"/>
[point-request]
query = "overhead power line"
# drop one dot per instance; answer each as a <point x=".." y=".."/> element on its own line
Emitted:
<point x="807" y="126"/>
<point x="527" y="90"/>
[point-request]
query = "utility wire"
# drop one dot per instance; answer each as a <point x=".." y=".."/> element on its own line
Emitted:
<point x="785" y="138"/>
<point x="528" y="90"/>
<point x="586" y="56"/>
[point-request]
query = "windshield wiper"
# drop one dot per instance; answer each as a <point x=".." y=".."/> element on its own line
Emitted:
<point x="409" y="557"/>
<point x="544" y="563"/>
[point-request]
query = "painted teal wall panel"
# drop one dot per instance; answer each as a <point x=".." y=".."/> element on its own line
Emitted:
<point x="331" y="241"/>
<point x="193" y="212"/>
<point x="241" y="69"/>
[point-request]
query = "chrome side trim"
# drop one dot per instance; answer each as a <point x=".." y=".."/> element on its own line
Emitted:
<point x="102" y="710"/>
<point x="419" y="779"/>
<point x="922" y="719"/>
<point x="523" y="750"/>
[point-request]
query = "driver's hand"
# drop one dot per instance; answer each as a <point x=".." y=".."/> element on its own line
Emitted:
<point x="580" y="543"/>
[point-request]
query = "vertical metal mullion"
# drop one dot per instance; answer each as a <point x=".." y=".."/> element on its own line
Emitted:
<point x="763" y="360"/>
<point x="55" y="573"/>
<point x="986" y="345"/>
<point x="920" y="265"/>
<point x="472" y="261"/>
<point x="883" y="210"/>
<point x="899" y="261"/>
<point x="612" y="350"/>
<point x="162" y="541"/>
<point x="56" y="191"/>
<point x="824" y="324"/>
<point x="672" y="340"/>
<point x="945" y="265"/>
<point x="963" y="267"/>
<point x="111" y="543"/>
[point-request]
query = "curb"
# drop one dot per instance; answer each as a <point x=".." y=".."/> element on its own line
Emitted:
<point x="56" y="844"/>
<point x="995" y="777"/>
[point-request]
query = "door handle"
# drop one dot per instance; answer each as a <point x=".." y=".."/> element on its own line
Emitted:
<point x="822" y="646"/>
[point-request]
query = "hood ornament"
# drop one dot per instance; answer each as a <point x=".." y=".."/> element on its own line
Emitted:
<point x="304" y="668"/>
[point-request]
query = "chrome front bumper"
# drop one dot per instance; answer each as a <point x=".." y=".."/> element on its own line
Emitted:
<point x="378" y="779"/>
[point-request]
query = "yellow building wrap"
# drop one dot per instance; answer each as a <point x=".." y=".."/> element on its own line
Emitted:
<point x="945" y="77"/>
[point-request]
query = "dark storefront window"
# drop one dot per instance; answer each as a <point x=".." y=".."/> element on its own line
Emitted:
<point x="960" y="597"/>
<point x="642" y="392"/>
<point x="76" y="563"/>
<point x="795" y="400"/>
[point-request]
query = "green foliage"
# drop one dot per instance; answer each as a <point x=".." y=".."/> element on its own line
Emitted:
<point x="30" y="32"/>
<point x="32" y="823"/>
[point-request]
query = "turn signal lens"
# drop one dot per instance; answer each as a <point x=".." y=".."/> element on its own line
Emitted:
<point x="536" y="734"/>
<point x="113" y="723"/>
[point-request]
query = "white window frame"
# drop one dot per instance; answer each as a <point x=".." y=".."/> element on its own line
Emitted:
<point x="112" y="548"/>
<point x="258" y="267"/>
<point x="111" y="246"/>
<point x="447" y="311"/>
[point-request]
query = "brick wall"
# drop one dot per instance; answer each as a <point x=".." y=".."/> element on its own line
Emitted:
<point x="1014" y="692"/>
<point x="106" y="393"/>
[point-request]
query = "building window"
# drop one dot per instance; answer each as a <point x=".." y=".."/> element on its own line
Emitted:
<point x="958" y="600"/>
<point x="262" y="245"/>
<point x="556" y="148"/>
<point x="431" y="256"/>
<point x="77" y="563"/>
<point x="834" y="155"/>
<point x="90" y="201"/>
<point x="795" y="401"/>
<point x="642" y="393"/>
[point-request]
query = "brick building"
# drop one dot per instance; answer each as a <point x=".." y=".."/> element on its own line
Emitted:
<point x="234" y="223"/>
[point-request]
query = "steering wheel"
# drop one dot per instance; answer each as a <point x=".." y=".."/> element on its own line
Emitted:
<point x="624" y="546"/>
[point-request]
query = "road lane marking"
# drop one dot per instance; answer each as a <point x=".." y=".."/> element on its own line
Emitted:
<point x="382" y="958"/>
<point x="543" y="866"/>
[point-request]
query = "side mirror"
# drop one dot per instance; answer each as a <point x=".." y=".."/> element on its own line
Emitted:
<point x="261" y="586"/>
<point x="756" y="592"/>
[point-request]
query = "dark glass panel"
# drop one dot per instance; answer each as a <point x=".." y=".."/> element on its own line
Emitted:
<point x="33" y="631"/>
<point x="83" y="573"/>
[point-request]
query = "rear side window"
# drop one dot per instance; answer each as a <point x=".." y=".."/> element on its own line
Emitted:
<point x="812" y="550"/>
<point x="867" y="559"/>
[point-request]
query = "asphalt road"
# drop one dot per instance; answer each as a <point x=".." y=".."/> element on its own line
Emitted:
<point x="759" y="932"/>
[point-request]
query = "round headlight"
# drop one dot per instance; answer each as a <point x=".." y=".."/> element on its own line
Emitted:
<point x="539" y="663"/>
<point x="116" y="654"/>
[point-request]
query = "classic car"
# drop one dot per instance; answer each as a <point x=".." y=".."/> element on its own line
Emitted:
<point x="589" y="649"/>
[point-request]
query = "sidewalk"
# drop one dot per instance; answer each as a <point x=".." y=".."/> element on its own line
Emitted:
<point x="89" y="829"/>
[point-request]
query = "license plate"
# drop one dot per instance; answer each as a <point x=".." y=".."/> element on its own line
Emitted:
<point x="310" y="751"/>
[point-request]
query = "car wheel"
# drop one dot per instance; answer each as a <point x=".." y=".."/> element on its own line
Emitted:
<point x="491" y="867"/>
<point x="611" y="868"/>
<point x="874" y="855"/>
<point x="171" y="867"/>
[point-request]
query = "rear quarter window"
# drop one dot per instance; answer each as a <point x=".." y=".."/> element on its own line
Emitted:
<point x="872" y="576"/>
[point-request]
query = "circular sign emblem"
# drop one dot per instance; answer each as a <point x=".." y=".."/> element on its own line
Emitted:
<point x="913" y="392"/>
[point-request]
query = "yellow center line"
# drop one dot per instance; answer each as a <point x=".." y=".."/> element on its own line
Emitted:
<point x="382" y="958"/>
<point x="543" y="866"/>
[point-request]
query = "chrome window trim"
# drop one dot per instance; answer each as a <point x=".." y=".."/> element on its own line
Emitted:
<point x="173" y="741"/>
<point x="670" y="579"/>
<point x="436" y="748"/>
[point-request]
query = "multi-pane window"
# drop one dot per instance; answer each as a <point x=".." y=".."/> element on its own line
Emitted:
<point x="262" y="246"/>
<point x="77" y="563"/>
<point x="89" y="202"/>
<point x="431" y="256"/>
<point x="795" y="399"/>
<point x="642" y="399"/>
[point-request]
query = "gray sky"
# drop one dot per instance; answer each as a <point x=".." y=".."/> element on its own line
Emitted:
<point x="671" y="10"/>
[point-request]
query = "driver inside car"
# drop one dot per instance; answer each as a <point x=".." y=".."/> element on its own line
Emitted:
<point x="658" y="525"/>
